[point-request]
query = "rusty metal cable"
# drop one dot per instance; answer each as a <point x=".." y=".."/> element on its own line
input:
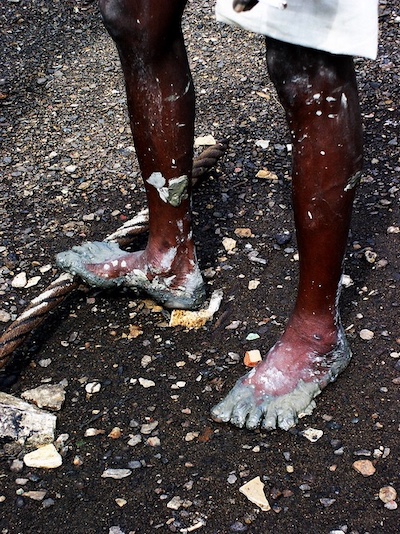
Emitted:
<point x="38" y="309"/>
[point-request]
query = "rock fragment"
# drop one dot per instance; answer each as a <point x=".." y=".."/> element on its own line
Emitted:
<point x="312" y="434"/>
<point x="117" y="474"/>
<point x="364" y="467"/>
<point x="45" y="457"/>
<point x="254" y="491"/>
<point x="24" y="423"/>
<point x="366" y="334"/>
<point x="387" y="494"/>
<point x="51" y="396"/>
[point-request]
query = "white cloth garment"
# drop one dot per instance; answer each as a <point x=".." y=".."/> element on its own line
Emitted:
<point x="348" y="27"/>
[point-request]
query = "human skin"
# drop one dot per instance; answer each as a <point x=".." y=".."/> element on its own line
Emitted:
<point x="319" y="94"/>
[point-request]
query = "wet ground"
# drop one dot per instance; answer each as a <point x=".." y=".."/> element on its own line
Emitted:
<point x="68" y="173"/>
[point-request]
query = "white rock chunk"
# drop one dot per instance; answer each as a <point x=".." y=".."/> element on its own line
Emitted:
<point x="25" y="423"/>
<point x="45" y="457"/>
<point x="117" y="474"/>
<point x="254" y="491"/>
<point x="51" y="396"/>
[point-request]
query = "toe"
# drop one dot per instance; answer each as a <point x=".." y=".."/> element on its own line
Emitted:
<point x="240" y="412"/>
<point x="254" y="417"/>
<point x="287" y="417"/>
<point x="269" y="420"/>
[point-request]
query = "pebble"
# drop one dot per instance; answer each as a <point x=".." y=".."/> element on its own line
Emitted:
<point x="92" y="387"/>
<point x="120" y="502"/>
<point x="312" y="434"/>
<point x="117" y="474"/>
<point x="229" y="244"/>
<point x="51" y="396"/>
<point x="253" y="284"/>
<point x="4" y="316"/>
<point x="90" y="432"/>
<point x="35" y="495"/>
<point x="175" y="503"/>
<point x="135" y="440"/>
<point x="232" y="479"/>
<point x="327" y="502"/>
<point x="364" y="467"/>
<point x="32" y="282"/>
<point x="115" y="433"/>
<point x="19" y="281"/>
<point x="387" y="494"/>
<point x="146" y="383"/>
<point x="46" y="457"/>
<point x="147" y="428"/>
<point x="254" y="491"/>
<point x="366" y="334"/>
<point x="153" y="441"/>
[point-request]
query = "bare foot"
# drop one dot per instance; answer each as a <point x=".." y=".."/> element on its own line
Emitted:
<point x="172" y="279"/>
<point x="282" y="387"/>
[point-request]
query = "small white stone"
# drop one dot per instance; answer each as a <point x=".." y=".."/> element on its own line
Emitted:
<point x="347" y="281"/>
<point x="190" y="436"/>
<point x="147" y="428"/>
<point x="90" y="432"/>
<point x="254" y="491"/>
<point x="35" y="495"/>
<point x="117" y="474"/>
<point x="366" y="334"/>
<point x="70" y="169"/>
<point x="20" y="280"/>
<point x="135" y="440"/>
<point x="92" y="387"/>
<point x="312" y="434"/>
<point x="153" y="441"/>
<point x="146" y="383"/>
<point x="121" y="502"/>
<point x="4" y="316"/>
<point x="32" y="281"/>
<point x="175" y="503"/>
<point x="387" y="494"/>
<point x="45" y="457"/>
<point x="229" y="244"/>
<point x="50" y="396"/>
<point x="253" y="284"/>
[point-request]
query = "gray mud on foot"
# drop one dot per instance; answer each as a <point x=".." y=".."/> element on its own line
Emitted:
<point x="189" y="296"/>
<point x="75" y="260"/>
<point x="241" y="407"/>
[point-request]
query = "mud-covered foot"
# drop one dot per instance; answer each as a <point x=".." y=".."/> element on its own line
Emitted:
<point x="172" y="280"/>
<point x="282" y="388"/>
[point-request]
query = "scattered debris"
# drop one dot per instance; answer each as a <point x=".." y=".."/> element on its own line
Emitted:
<point x="252" y="358"/>
<point x="197" y="319"/>
<point x="312" y="434"/>
<point x="254" y="491"/>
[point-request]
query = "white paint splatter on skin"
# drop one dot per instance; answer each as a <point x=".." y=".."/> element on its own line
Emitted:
<point x="123" y="264"/>
<point x="106" y="267"/>
<point x="330" y="99"/>
<point x="319" y="113"/>
<point x="309" y="215"/>
<point x="343" y="100"/>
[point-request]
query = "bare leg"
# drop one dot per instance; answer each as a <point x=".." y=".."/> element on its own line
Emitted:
<point x="319" y="94"/>
<point x="161" y="108"/>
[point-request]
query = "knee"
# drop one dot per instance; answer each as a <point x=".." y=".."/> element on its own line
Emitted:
<point x="113" y="15"/>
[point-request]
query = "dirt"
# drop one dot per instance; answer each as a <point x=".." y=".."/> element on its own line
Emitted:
<point x="63" y="107"/>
